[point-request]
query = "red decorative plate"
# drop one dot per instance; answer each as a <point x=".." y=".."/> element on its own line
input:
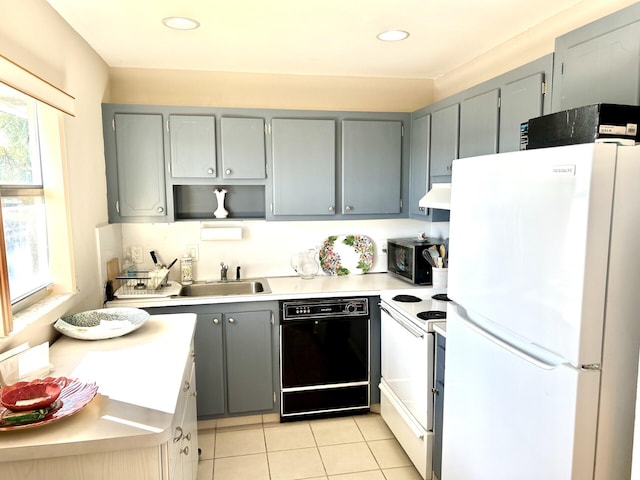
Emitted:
<point x="24" y="396"/>
<point x="74" y="396"/>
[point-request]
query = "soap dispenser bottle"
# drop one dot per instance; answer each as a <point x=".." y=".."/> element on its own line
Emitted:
<point x="186" y="270"/>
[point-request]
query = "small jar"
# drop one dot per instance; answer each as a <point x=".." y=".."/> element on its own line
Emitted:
<point x="186" y="270"/>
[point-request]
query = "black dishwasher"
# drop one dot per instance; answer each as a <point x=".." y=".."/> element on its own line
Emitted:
<point x="324" y="357"/>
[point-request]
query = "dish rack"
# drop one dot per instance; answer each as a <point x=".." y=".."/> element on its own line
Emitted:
<point x="142" y="282"/>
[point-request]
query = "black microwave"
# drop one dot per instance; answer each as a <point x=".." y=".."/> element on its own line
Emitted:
<point x="406" y="259"/>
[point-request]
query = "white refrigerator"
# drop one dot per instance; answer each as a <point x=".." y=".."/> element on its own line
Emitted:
<point x="543" y="330"/>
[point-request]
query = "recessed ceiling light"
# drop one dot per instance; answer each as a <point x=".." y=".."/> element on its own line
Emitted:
<point x="181" y="23"/>
<point x="393" y="35"/>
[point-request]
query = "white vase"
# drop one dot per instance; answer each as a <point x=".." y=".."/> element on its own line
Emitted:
<point x="220" y="212"/>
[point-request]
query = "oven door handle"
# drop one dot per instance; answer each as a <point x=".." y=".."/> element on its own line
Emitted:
<point x="404" y="323"/>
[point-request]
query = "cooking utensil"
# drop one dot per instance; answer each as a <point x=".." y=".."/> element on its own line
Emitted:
<point x="434" y="252"/>
<point x="443" y="255"/>
<point x="172" y="263"/>
<point x="427" y="256"/>
<point x="153" y="257"/>
<point x="113" y="270"/>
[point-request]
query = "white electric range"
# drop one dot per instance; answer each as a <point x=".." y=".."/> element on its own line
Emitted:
<point x="408" y="370"/>
<point x="423" y="307"/>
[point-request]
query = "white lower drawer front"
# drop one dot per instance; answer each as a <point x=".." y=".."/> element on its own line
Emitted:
<point x="416" y="442"/>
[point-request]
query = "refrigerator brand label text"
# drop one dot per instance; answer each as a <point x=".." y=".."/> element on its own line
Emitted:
<point x="563" y="169"/>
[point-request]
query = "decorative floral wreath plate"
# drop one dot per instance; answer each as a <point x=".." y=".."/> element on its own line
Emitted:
<point x="346" y="255"/>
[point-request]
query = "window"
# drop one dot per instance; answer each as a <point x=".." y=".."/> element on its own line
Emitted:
<point x="34" y="203"/>
<point x="22" y="195"/>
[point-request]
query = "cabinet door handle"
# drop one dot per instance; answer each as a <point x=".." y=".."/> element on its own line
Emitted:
<point x="231" y="320"/>
<point x="348" y="208"/>
<point x="211" y="171"/>
<point x="186" y="387"/>
<point x="227" y="171"/>
<point x="118" y="206"/>
<point x="331" y="208"/>
<point x="178" y="435"/>
<point x="185" y="450"/>
<point x="160" y="209"/>
<point x="216" y="321"/>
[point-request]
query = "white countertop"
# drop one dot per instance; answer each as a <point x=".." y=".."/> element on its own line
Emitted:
<point x="292" y="288"/>
<point x="139" y="377"/>
<point x="441" y="328"/>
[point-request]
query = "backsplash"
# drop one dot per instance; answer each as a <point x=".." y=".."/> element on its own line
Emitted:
<point x="265" y="249"/>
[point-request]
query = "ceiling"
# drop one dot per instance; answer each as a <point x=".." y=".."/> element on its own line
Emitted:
<point x="303" y="37"/>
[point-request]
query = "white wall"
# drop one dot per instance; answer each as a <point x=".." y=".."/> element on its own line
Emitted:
<point x="34" y="36"/>
<point x="266" y="247"/>
<point x="535" y="42"/>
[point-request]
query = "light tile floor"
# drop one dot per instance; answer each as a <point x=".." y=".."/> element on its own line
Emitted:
<point x="346" y="448"/>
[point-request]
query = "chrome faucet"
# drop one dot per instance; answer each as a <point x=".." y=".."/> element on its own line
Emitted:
<point x="223" y="272"/>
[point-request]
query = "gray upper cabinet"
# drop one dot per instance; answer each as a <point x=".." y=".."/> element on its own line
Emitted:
<point x="479" y="124"/>
<point x="599" y="62"/>
<point x="274" y="164"/>
<point x="250" y="385"/>
<point x="371" y="166"/>
<point x="139" y="154"/>
<point x="419" y="177"/>
<point x="193" y="146"/>
<point x="243" y="149"/>
<point x="304" y="159"/>
<point x="444" y="139"/>
<point x="520" y="100"/>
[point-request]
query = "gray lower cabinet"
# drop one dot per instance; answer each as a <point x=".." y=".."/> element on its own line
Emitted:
<point x="599" y="62"/>
<point x="304" y="159"/>
<point x="193" y="146"/>
<point x="371" y="167"/>
<point x="210" y="377"/>
<point x="242" y="146"/>
<point x="438" y="404"/>
<point x="236" y="355"/>
<point x="479" y="124"/>
<point x="249" y="361"/>
<point x="139" y="162"/>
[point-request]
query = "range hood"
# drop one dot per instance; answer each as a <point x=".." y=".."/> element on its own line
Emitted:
<point x="438" y="197"/>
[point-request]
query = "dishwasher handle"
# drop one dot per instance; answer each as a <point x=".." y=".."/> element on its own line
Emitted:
<point x="404" y="323"/>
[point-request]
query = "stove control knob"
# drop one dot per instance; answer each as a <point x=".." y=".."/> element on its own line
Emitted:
<point x="351" y="307"/>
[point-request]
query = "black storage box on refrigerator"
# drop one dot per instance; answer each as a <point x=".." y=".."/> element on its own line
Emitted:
<point x="587" y="124"/>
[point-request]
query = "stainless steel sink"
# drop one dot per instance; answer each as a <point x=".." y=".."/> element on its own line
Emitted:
<point x="230" y="287"/>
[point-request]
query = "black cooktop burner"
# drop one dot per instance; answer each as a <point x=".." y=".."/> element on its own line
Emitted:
<point x="442" y="297"/>
<point x="432" y="315"/>
<point x="406" y="298"/>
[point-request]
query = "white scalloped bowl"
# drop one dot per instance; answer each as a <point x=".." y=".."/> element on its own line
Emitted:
<point x="102" y="323"/>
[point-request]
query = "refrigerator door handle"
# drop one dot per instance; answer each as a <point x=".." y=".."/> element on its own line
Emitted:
<point x="549" y="363"/>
